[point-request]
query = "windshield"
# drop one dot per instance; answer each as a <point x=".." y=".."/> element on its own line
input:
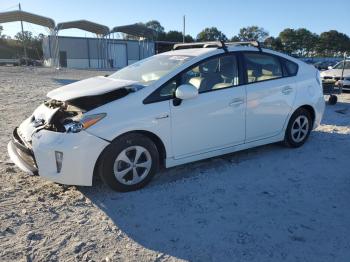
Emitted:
<point x="341" y="64"/>
<point x="151" y="69"/>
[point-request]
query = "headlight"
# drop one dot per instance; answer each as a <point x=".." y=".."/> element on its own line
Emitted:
<point x="85" y="122"/>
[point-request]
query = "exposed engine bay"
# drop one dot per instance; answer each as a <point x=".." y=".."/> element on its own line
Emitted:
<point x="67" y="115"/>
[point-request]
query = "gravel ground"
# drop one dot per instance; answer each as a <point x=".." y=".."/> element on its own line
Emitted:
<point x="265" y="204"/>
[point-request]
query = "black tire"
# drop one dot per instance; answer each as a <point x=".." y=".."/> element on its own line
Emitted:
<point x="332" y="100"/>
<point x="290" y="137"/>
<point x="110" y="155"/>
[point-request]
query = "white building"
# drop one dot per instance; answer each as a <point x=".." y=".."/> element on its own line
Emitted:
<point x="81" y="52"/>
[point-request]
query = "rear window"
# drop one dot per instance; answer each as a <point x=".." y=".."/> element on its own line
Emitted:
<point x="291" y="67"/>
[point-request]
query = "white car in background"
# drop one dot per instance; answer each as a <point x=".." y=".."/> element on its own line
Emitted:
<point x="195" y="102"/>
<point x="335" y="74"/>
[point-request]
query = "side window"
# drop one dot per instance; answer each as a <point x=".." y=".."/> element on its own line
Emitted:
<point x="261" y="67"/>
<point x="216" y="73"/>
<point x="168" y="89"/>
<point x="291" y="67"/>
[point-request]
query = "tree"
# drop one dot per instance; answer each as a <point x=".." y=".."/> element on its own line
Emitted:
<point x="33" y="43"/>
<point x="173" y="36"/>
<point x="1" y="29"/>
<point x="305" y="42"/>
<point x="211" y="34"/>
<point x="235" y="39"/>
<point x="155" y="25"/>
<point x="26" y="37"/>
<point x="158" y="28"/>
<point x="333" y="43"/>
<point x="253" y="33"/>
<point x="273" y="43"/>
<point x="189" y="39"/>
<point x="288" y="39"/>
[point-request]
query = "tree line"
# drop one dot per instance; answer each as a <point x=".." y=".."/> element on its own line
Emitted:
<point x="297" y="42"/>
<point x="13" y="48"/>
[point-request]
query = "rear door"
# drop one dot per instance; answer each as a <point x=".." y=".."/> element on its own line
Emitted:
<point x="270" y="95"/>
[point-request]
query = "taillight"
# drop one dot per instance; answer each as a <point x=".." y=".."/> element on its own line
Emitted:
<point x="318" y="78"/>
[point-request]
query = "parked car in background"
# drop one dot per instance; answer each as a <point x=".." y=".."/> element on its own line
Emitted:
<point x="324" y="65"/>
<point x="339" y="74"/>
<point x="198" y="101"/>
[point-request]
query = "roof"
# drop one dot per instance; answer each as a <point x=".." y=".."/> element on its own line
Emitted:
<point x="84" y="25"/>
<point x="13" y="16"/>
<point x="135" y="30"/>
<point x="189" y="51"/>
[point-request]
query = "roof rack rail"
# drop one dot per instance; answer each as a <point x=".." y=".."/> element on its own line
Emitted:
<point x="217" y="44"/>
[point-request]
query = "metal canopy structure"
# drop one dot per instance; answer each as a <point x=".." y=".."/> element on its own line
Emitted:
<point x="85" y="25"/>
<point x="18" y="15"/>
<point x="107" y="48"/>
<point x="135" y="30"/>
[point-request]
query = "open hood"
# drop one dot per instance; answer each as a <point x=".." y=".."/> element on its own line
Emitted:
<point x="89" y="87"/>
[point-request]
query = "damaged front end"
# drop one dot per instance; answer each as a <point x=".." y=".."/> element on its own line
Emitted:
<point x="68" y="118"/>
<point x="52" y="140"/>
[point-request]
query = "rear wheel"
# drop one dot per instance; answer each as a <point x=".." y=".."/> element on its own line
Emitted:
<point x="129" y="162"/>
<point x="299" y="128"/>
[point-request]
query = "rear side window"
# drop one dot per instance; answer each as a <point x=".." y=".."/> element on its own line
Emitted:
<point x="262" y="67"/>
<point x="291" y="67"/>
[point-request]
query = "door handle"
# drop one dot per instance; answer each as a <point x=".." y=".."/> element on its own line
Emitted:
<point x="236" y="102"/>
<point x="162" y="116"/>
<point x="286" y="90"/>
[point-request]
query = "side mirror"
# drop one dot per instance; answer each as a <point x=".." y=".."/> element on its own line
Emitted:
<point x="330" y="67"/>
<point x="186" y="92"/>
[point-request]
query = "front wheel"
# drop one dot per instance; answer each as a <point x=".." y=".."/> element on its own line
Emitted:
<point x="298" y="129"/>
<point x="129" y="162"/>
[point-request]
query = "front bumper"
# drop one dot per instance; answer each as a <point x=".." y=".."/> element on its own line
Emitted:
<point x="80" y="153"/>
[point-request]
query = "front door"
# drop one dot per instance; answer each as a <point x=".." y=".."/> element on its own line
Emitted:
<point x="216" y="117"/>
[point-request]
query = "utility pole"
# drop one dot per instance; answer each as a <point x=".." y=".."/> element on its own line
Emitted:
<point x="23" y="40"/>
<point x="184" y="29"/>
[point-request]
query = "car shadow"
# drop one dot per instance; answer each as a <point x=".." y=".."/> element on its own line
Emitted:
<point x="337" y="114"/>
<point x="269" y="203"/>
<point x="64" y="81"/>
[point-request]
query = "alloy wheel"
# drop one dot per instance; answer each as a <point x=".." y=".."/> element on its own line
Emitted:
<point x="132" y="165"/>
<point x="300" y="128"/>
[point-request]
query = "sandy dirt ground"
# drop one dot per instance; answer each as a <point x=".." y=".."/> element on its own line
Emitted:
<point x="265" y="204"/>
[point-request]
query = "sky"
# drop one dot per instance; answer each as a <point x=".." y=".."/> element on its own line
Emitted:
<point x="228" y="16"/>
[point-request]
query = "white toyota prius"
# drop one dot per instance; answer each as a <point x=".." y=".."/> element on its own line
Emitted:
<point x="195" y="102"/>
